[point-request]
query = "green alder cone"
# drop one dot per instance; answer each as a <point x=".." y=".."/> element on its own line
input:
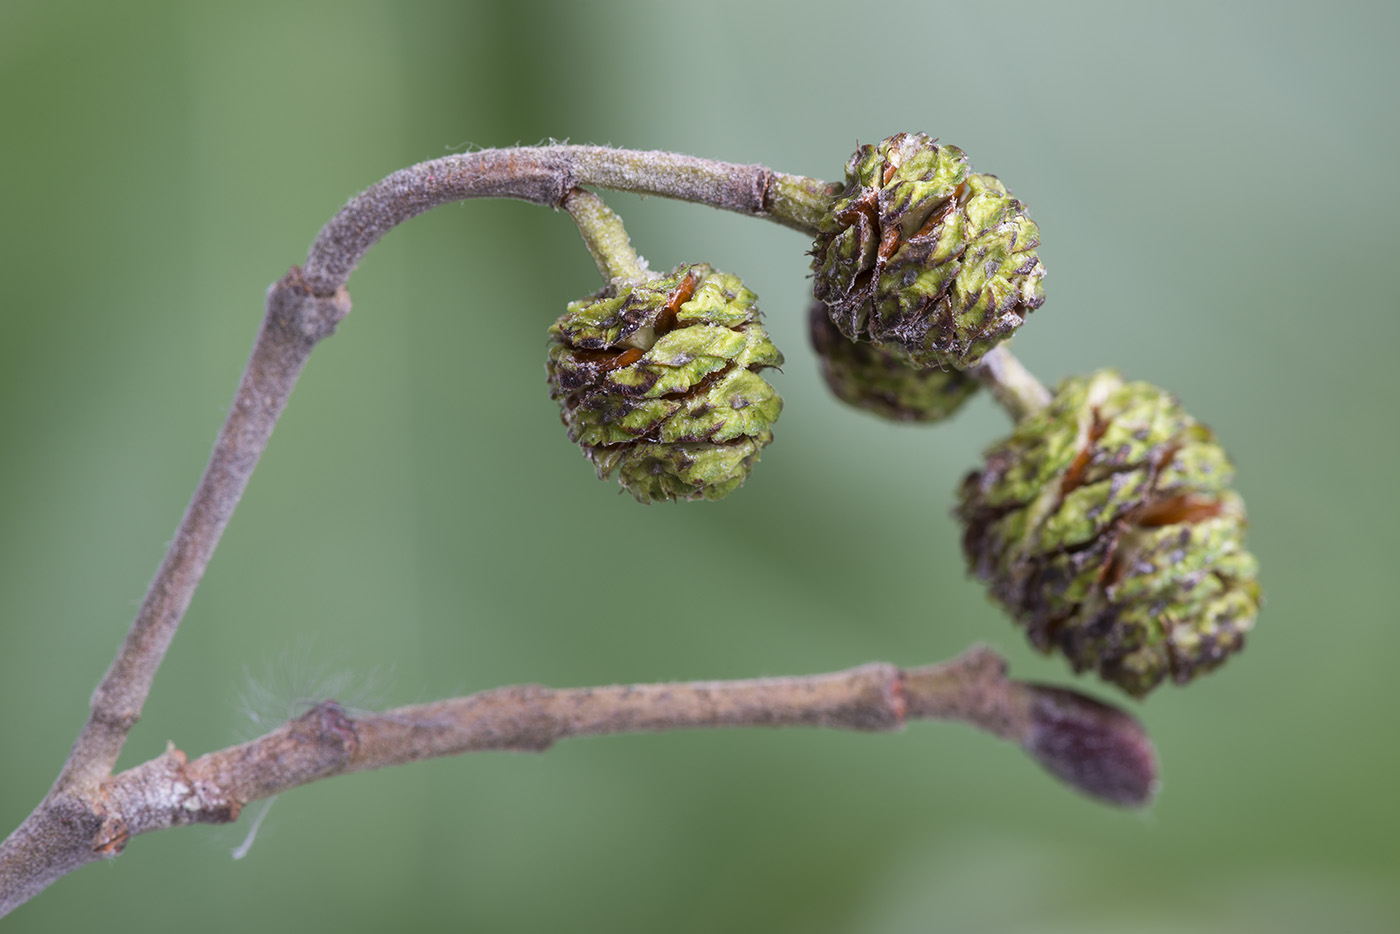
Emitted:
<point x="932" y="262"/>
<point x="659" y="383"/>
<point x="1107" y="527"/>
<point x="864" y="375"/>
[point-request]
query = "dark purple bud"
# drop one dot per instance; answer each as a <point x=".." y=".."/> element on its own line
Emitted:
<point x="1098" y="749"/>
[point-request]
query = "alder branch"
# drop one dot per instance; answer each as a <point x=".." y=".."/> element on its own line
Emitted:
<point x="293" y="324"/>
<point x="1097" y="749"/>
<point x="88" y="814"/>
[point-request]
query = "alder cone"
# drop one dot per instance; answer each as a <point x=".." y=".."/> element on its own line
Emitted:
<point x="882" y="383"/>
<point x="922" y="257"/>
<point x="659" y="383"/>
<point x="1106" y="525"/>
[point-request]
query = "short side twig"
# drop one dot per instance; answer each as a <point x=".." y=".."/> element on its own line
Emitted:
<point x="606" y="239"/>
<point x="1015" y="387"/>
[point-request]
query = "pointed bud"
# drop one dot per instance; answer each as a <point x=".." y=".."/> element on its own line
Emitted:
<point x="1098" y="749"/>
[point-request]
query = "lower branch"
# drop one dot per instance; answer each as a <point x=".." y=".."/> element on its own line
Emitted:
<point x="1097" y="749"/>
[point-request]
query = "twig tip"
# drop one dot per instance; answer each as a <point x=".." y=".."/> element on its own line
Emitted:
<point x="1096" y="748"/>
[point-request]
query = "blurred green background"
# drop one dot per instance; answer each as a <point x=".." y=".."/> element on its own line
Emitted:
<point x="1216" y="189"/>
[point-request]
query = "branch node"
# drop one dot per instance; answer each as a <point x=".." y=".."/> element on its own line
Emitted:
<point x="334" y="729"/>
<point x="295" y="308"/>
<point x="898" y="700"/>
<point x="319" y="742"/>
<point x="158" y="794"/>
<point x="112" y="838"/>
<point x="762" y="188"/>
<point x="122" y="721"/>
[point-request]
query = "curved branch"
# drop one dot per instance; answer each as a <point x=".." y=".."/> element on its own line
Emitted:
<point x="1097" y="749"/>
<point x="545" y="175"/>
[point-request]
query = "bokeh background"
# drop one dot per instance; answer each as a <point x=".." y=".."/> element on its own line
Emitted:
<point x="1216" y="188"/>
